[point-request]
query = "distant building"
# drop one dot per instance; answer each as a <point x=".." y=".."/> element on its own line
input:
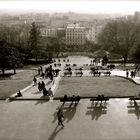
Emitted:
<point x="94" y="29"/>
<point x="57" y="22"/>
<point x="75" y="36"/>
<point x="41" y="19"/>
<point x="137" y="16"/>
<point x="61" y="32"/>
<point x="49" y="32"/>
<point x="93" y="32"/>
<point x="26" y="18"/>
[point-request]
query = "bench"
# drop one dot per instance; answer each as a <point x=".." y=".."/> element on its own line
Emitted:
<point x="70" y="99"/>
<point x="79" y="73"/>
<point x="67" y="73"/>
<point x="107" y="73"/>
<point x="134" y="98"/>
<point x="96" y="73"/>
<point x="99" y="99"/>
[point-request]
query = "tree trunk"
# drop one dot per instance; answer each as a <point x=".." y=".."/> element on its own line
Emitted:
<point x="57" y="54"/>
<point x="14" y="70"/>
<point x="36" y="59"/>
<point x="3" y="71"/>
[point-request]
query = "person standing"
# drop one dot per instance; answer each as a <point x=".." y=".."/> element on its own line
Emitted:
<point x="60" y="116"/>
<point x="39" y="86"/>
<point x="43" y="85"/>
<point x="50" y="92"/>
<point x="35" y="81"/>
<point x="127" y="73"/>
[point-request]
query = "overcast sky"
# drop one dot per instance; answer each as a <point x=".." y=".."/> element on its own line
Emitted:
<point x="80" y="6"/>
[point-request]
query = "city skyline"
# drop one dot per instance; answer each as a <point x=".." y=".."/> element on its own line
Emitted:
<point x="79" y="6"/>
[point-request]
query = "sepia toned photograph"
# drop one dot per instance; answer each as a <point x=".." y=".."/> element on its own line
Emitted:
<point x="69" y="70"/>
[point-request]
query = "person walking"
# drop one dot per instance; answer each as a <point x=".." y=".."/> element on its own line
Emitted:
<point x="60" y="116"/>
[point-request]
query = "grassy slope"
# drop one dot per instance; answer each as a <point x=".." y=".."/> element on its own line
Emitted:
<point x="16" y="82"/>
<point x="92" y="86"/>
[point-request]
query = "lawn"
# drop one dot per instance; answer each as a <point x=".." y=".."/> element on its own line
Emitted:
<point x="13" y="83"/>
<point x="93" y="86"/>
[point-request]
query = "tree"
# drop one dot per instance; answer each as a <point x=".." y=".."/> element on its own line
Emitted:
<point x="3" y="55"/>
<point x="9" y="57"/>
<point x="119" y="36"/>
<point x="136" y="54"/>
<point x="34" y="40"/>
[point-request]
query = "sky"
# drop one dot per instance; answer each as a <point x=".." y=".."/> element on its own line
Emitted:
<point x="78" y="6"/>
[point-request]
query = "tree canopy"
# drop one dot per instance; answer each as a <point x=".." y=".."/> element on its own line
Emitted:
<point x="34" y="40"/>
<point x="9" y="56"/>
<point x="119" y="36"/>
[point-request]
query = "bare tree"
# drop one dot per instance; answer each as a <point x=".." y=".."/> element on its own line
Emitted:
<point x="119" y="36"/>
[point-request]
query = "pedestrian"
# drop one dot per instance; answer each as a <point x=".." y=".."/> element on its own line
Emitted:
<point x="35" y="81"/>
<point x="51" y="77"/>
<point x="60" y="116"/>
<point x="91" y="61"/>
<point x="18" y="94"/>
<point x="127" y="73"/>
<point x="42" y="85"/>
<point x="39" y="86"/>
<point x="50" y="92"/>
<point x="45" y="92"/>
<point x="132" y="74"/>
<point x="39" y="71"/>
<point x="43" y="74"/>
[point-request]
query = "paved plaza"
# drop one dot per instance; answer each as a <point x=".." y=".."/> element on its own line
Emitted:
<point x="32" y="117"/>
<point x="118" y="119"/>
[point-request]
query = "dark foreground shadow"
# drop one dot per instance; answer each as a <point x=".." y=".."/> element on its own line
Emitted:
<point x="42" y="100"/>
<point x="134" y="109"/>
<point x="55" y="132"/>
<point x="96" y="111"/>
<point x="68" y="112"/>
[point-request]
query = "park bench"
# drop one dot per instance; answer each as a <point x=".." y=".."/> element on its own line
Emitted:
<point x="134" y="98"/>
<point x="111" y="66"/>
<point x="107" y="73"/>
<point x="67" y="65"/>
<point x="75" y="99"/>
<point x="96" y="73"/>
<point x="67" y="73"/>
<point x="79" y="73"/>
<point x="99" y="99"/>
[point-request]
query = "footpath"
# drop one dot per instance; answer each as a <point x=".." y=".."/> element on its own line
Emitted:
<point x="32" y="93"/>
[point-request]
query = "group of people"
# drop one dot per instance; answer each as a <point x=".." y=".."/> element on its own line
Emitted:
<point x="49" y="72"/>
<point x="64" y="60"/>
<point x="47" y="92"/>
<point x="101" y="97"/>
<point x="131" y="73"/>
<point x="41" y="87"/>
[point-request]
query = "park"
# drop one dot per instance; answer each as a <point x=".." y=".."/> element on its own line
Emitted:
<point x="69" y="75"/>
<point x="34" y="116"/>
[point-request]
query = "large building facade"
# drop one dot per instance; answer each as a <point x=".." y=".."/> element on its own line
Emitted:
<point x="75" y="36"/>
